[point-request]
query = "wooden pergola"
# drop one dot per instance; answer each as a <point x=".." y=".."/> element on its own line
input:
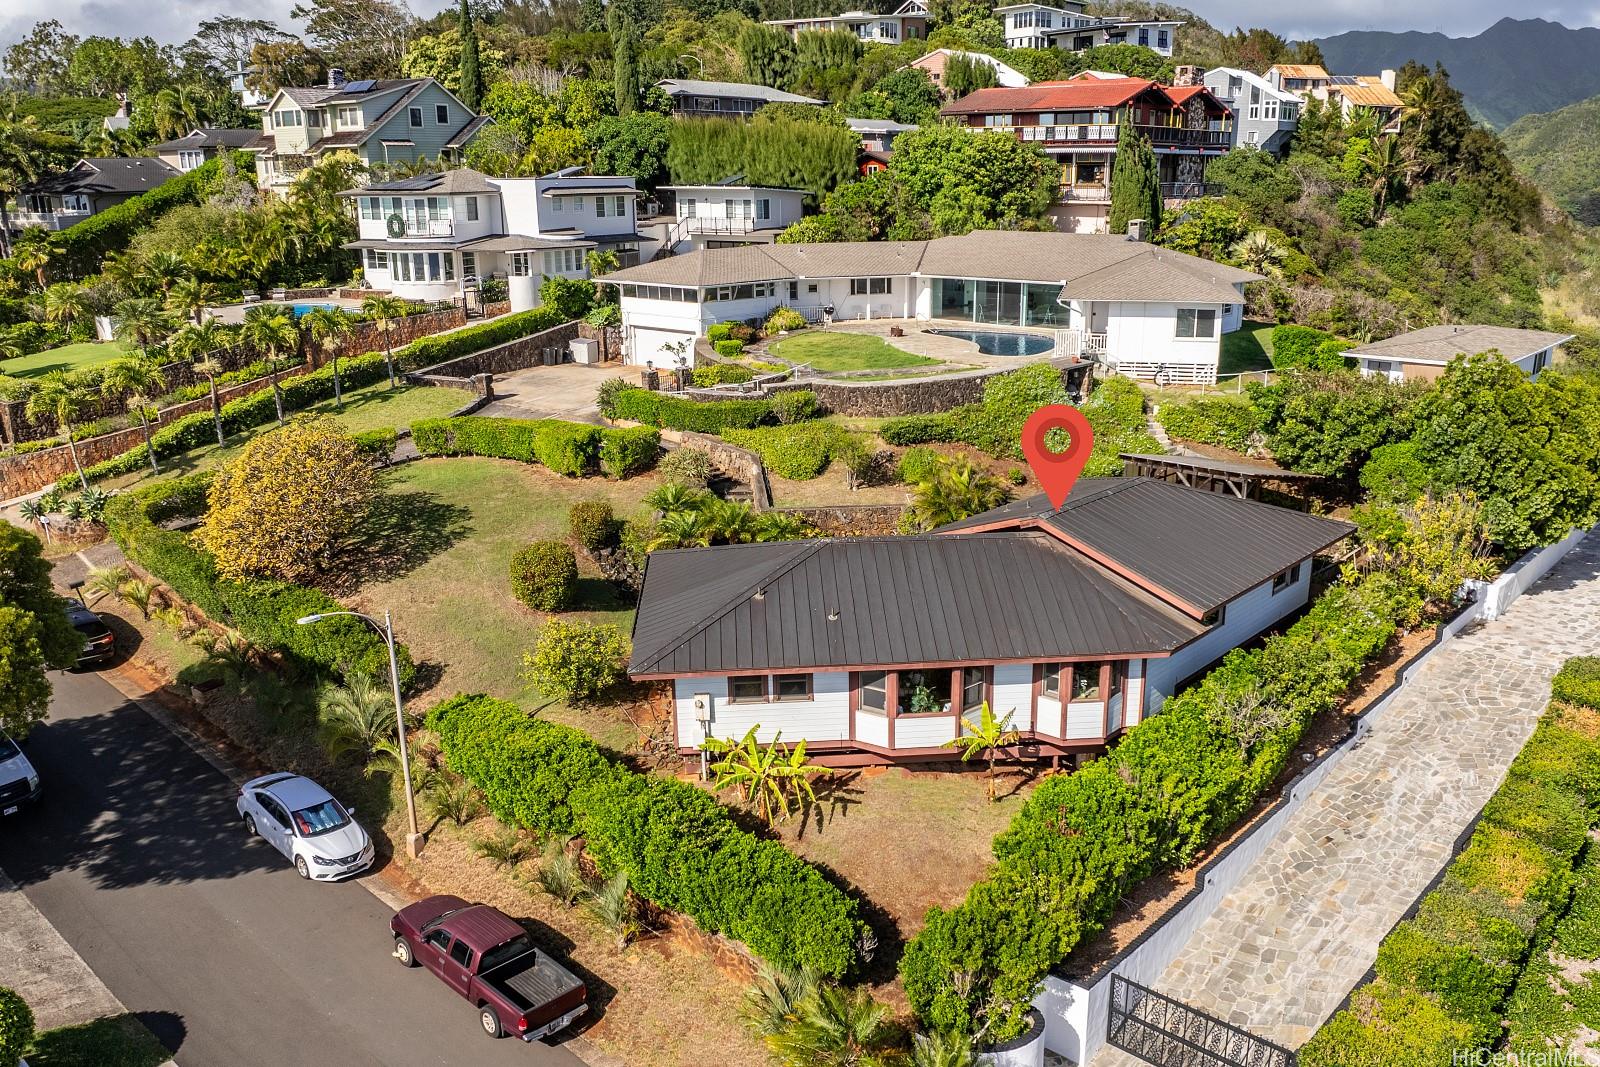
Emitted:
<point x="1243" y="480"/>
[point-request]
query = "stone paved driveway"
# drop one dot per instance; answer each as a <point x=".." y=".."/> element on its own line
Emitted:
<point x="565" y="391"/>
<point x="1302" y="928"/>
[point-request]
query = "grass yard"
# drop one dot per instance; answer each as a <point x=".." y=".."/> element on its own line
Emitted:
<point x="455" y="607"/>
<point x="1249" y="348"/>
<point x="828" y="350"/>
<point x="370" y="408"/>
<point x="112" y="1041"/>
<point x="67" y="357"/>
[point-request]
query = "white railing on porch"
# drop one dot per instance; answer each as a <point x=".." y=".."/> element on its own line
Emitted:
<point x="1080" y="344"/>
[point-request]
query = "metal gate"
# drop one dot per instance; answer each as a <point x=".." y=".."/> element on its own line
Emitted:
<point x="1169" y="1033"/>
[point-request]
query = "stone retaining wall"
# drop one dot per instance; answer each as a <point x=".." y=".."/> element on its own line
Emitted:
<point x="739" y="463"/>
<point x="520" y="354"/>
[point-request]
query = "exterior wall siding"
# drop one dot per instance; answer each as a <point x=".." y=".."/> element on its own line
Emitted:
<point x="825" y="717"/>
<point x="1012" y="694"/>
<point x="924" y="731"/>
<point x="430" y="137"/>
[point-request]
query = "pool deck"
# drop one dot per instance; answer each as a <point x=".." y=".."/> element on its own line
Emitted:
<point x="918" y="340"/>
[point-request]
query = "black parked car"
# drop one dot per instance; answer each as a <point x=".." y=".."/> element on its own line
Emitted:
<point x="99" y="643"/>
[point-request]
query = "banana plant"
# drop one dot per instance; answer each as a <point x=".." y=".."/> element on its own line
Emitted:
<point x="773" y="779"/>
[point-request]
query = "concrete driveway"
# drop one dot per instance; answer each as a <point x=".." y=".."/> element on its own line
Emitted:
<point x="565" y="391"/>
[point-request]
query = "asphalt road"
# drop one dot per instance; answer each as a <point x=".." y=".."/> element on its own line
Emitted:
<point x="136" y="855"/>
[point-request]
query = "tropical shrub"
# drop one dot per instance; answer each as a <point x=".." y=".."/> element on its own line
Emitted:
<point x="921" y="429"/>
<point x="730" y="348"/>
<point x="1329" y="423"/>
<point x="544" y="576"/>
<point x="686" y="466"/>
<point x="569" y="448"/>
<point x="918" y="465"/>
<point x="576" y="660"/>
<point x="16" y="1027"/>
<point x="628" y="450"/>
<point x="1212" y="421"/>
<point x="593" y="525"/>
<point x="718" y="332"/>
<point x="680" y="849"/>
<point x="798" y="452"/>
<point x="376" y="445"/>
<point x="1578" y="681"/>
<point x="795" y="405"/>
<point x="721" y="374"/>
<point x="677" y="413"/>
<point x="784" y="320"/>
<point x="1394" y="474"/>
<point x="1302" y="346"/>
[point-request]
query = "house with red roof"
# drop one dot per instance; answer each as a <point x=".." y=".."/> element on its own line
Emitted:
<point x="1075" y="122"/>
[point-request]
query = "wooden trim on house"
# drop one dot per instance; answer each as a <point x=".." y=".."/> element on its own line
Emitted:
<point x="843" y="668"/>
<point x="861" y="754"/>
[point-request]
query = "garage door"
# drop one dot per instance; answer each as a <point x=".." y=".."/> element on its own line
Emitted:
<point x="658" y="345"/>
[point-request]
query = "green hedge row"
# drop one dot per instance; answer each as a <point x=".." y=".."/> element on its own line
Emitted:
<point x="1302" y="346"/>
<point x="677" y="413"/>
<point x="1444" y="976"/>
<point x="681" y="849"/>
<point x="265" y="612"/>
<point x="799" y="451"/>
<point x="571" y="448"/>
<point x="1212" y="421"/>
<point x="303" y="390"/>
<point x="1176" y="782"/>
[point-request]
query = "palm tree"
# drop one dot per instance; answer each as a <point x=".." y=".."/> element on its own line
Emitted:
<point x="355" y="717"/>
<point x="386" y="760"/>
<point x="142" y="320"/>
<point x="837" y="1027"/>
<point x="382" y="310"/>
<point x="26" y="151"/>
<point x="559" y="874"/>
<point x="137" y="380"/>
<point x="731" y="521"/>
<point x="167" y="269"/>
<point x="777" y="526"/>
<point x="1257" y="251"/>
<point x="190" y="297"/>
<point x="1389" y="168"/>
<point x="957" y="489"/>
<point x="1422" y="98"/>
<point x="271" y="332"/>
<point x="126" y="269"/>
<point x="34" y="250"/>
<point x="773" y="1002"/>
<point x="986" y="738"/>
<point x="943" y="1050"/>
<point x="231" y="656"/>
<point x="65" y="303"/>
<point x="198" y="343"/>
<point x="328" y="328"/>
<point x="772" y="778"/>
<point x="682" y="529"/>
<point x="59" y="396"/>
<point x="675" y="497"/>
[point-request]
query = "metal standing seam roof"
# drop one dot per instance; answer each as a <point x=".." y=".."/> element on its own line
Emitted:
<point x="1198" y="548"/>
<point x="1441" y="344"/>
<point x="881" y="602"/>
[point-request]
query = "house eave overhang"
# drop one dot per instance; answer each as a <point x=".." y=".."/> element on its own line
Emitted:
<point x="844" y="668"/>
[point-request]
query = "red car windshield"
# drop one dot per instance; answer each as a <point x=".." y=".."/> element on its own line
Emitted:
<point x="320" y="819"/>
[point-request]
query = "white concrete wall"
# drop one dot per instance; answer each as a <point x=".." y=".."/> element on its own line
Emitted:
<point x="1246" y="616"/>
<point x="825" y="717"/>
<point x="529" y="211"/>
<point x="713" y="202"/>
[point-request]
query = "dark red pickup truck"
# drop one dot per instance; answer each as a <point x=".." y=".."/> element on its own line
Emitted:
<point x="488" y="958"/>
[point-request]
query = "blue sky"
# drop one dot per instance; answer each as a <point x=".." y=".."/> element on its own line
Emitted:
<point x="174" y="20"/>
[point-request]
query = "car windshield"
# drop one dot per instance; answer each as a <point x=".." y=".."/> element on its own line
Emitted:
<point x="8" y="748"/>
<point x="505" y="953"/>
<point x="320" y="818"/>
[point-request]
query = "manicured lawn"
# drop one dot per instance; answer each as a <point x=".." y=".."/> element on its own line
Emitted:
<point x="371" y="408"/>
<point x="113" y="1041"/>
<point x="455" y="607"/>
<point x="67" y="357"/>
<point x="1248" y="348"/>
<point x="829" y="350"/>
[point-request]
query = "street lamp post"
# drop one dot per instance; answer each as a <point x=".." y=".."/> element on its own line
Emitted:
<point x="386" y="629"/>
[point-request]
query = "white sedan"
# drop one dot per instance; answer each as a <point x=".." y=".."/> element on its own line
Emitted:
<point x="301" y="819"/>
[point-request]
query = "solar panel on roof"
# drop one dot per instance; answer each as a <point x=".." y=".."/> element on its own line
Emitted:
<point x="361" y="86"/>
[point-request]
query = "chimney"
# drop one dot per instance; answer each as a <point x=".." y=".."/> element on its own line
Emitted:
<point x="336" y="78"/>
<point x="1387" y="78"/>
<point x="1187" y="75"/>
<point x="1136" y="229"/>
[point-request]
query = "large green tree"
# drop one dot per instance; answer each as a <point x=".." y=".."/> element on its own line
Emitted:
<point x="1135" y="186"/>
<point x="634" y="145"/>
<point x="364" y="38"/>
<point x="625" y="61"/>
<point x="969" y="181"/>
<point x="35" y="635"/>
<point x="767" y="54"/>
<point x="471" y="72"/>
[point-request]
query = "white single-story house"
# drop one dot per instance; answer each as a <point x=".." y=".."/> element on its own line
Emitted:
<point x="935" y="61"/>
<point x="723" y="214"/>
<point x="1074" y="623"/>
<point x="1423" y="354"/>
<point x="1146" y="311"/>
<point x="436" y="236"/>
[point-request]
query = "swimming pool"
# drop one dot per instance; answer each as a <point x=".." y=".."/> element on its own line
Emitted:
<point x="302" y="309"/>
<point x="1002" y="342"/>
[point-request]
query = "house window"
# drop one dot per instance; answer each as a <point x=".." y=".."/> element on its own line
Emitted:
<point x="377" y="260"/>
<point x="1216" y="616"/>
<point x="870" y="286"/>
<point x="449" y="267"/>
<point x="75" y="204"/>
<point x="472" y="209"/>
<point x="441" y="114"/>
<point x="600" y="207"/>
<point x="1086" y="680"/>
<point x="764" y="210"/>
<point x="369" y="208"/>
<point x="519" y="264"/>
<point x="997" y="120"/>
<point x="1144" y="36"/>
<point x="563" y="260"/>
<point x="747" y="689"/>
<point x="415" y="116"/>
<point x="286" y="119"/>
<point x="1050" y="680"/>
<point x="436" y="209"/>
<point x="924" y="692"/>
<point x="349" y="117"/>
<point x="314" y="118"/>
<point x="791" y="687"/>
<point x="188" y="160"/>
<point x="1197" y="323"/>
<point x="469" y="264"/>
<point x="686" y="207"/>
<point x="873" y="691"/>
<point x="1163" y="39"/>
<point x="1286" y="579"/>
<point x="973" y="688"/>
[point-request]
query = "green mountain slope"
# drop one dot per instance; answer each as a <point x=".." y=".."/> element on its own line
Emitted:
<point x="1514" y="68"/>
<point x="1560" y="152"/>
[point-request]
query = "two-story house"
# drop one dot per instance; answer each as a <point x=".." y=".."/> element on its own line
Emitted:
<point x="1264" y="116"/>
<point x="1352" y="93"/>
<point x="88" y="187"/>
<point x="695" y="99"/>
<point x="724" y="214"/>
<point x="195" y="147"/>
<point x="437" y="236"/>
<point x="908" y="22"/>
<point x="383" y="121"/>
<point x="1076" y="121"/>
<point x="1065" y="26"/>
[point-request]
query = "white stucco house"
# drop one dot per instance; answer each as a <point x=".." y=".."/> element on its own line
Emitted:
<point x="1424" y="354"/>
<point x="1147" y="312"/>
<point x="723" y="214"/>
<point x="1065" y="25"/>
<point x="908" y="22"/>
<point x="435" y="236"/>
<point x="873" y="649"/>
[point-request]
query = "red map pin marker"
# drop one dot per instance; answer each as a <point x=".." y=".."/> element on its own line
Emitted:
<point x="1057" y="471"/>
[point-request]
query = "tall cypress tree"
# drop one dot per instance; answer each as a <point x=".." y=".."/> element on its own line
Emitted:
<point x="625" y="61"/>
<point x="1135" y="184"/>
<point x="471" y="72"/>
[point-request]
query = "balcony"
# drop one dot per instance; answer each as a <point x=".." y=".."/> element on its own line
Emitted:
<point x="428" y="228"/>
<point x="713" y="225"/>
<point x="1189" y="190"/>
<point x="1106" y="134"/>
<point x="1083" y="194"/>
<point x="49" y="220"/>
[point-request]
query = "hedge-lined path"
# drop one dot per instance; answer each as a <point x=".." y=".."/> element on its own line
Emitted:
<point x="1286" y="947"/>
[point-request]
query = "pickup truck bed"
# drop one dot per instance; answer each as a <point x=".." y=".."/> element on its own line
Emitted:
<point x="532" y="980"/>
